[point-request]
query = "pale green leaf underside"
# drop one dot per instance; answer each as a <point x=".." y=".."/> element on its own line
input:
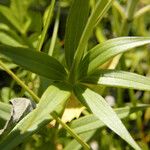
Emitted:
<point x="103" y="52"/>
<point x="118" y="78"/>
<point x="101" y="109"/>
<point x="91" y="122"/>
<point x="77" y="19"/>
<point x="52" y="98"/>
<point x="37" y="62"/>
<point x="86" y="126"/>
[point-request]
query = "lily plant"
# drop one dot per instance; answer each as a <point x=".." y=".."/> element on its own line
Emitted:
<point x="74" y="79"/>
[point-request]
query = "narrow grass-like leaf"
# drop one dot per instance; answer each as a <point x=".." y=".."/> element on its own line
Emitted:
<point x="52" y="98"/>
<point x="55" y="33"/>
<point x="47" y="23"/>
<point x="103" y="52"/>
<point x="7" y="39"/>
<point x="96" y="16"/>
<point x="77" y="19"/>
<point x="101" y="109"/>
<point x="36" y="62"/>
<point x="118" y="78"/>
<point x="7" y="13"/>
<point x="86" y="126"/>
<point x="91" y="122"/>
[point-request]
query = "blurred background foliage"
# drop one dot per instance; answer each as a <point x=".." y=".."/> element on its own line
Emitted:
<point x="21" y="22"/>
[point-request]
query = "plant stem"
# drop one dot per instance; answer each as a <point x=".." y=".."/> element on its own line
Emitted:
<point x="21" y="83"/>
<point x="119" y="9"/>
<point x="129" y="17"/>
<point x="26" y="82"/>
<point x="48" y="20"/>
<point x="131" y="8"/>
<point x="37" y="99"/>
<point x="55" y="31"/>
<point x="85" y="145"/>
<point x="142" y="11"/>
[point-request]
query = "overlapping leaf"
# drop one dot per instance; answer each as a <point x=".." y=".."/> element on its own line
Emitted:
<point x="104" y="112"/>
<point x="86" y="126"/>
<point x="52" y="98"/>
<point x="98" y="13"/>
<point x="118" y="78"/>
<point x="76" y="22"/>
<point x="103" y="52"/>
<point x="36" y="62"/>
<point x="91" y="122"/>
<point x="10" y="17"/>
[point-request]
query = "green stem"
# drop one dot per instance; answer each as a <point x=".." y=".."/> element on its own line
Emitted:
<point x="119" y="97"/>
<point x="26" y="82"/>
<point x="48" y="20"/>
<point x="132" y="97"/>
<point x="119" y="9"/>
<point x="55" y="31"/>
<point x="131" y="8"/>
<point x="37" y="99"/>
<point x="21" y="83"/>
<point x="129" y="17"/>
<point x="13" y="83"/>
<point x="142" y="11"/>
<point x="85" y="145"/>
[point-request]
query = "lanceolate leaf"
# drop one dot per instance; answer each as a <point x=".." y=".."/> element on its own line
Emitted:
<point x="118" y="78"/>
<point x="36" y="62"/>
<point x="75" y="24"/>
<point x="50" y="101"/>
<point x="86" y="126"/>
<point x="98" y="13"/>
<point x="104" y="112"/>
<point x="91" y="122"/>
<point x="103" y="52"/>
<point x="96" y="16"/>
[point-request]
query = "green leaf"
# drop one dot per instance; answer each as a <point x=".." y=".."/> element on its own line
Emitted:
<point x="5" y="110"/>
<point x="46" y="25"/>
<point x="74" y="145"/>
<point x="103" y="52"/>
<point x="118" y="78"/>
<point x="101" y="109"/>
<point x="76" y="22"/>
<point x="91" y="122"/>
<point x="20" y="108"/>
<point x="36" y="62"/>
<point x="9" y="37"/>
<point x="5" y="38"/>
<point x="52" y="98"/>
<point x="8" y="14"/>
<point x="96" y="16"/>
